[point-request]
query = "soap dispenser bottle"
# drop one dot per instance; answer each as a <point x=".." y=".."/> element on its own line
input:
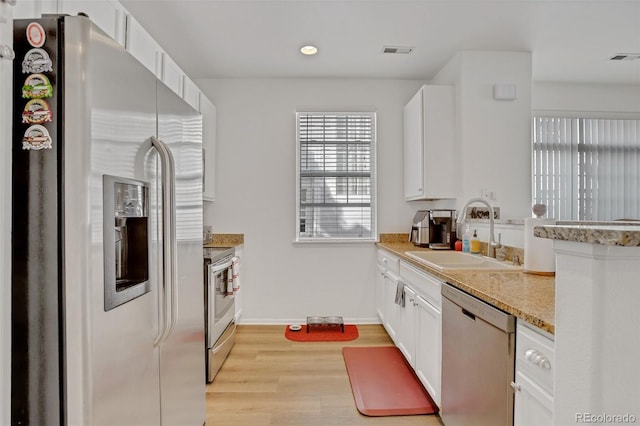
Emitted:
<point x="466" y="241"/>
<point x="475" y="242"/>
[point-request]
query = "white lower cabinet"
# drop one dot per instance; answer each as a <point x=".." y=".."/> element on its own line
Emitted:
<point x="533" y="385"/>
<point x="533" y="406"/>
<point x="391" y="310"/>
<point x="380" y="293"/>
<point x="386" y="285"/>
<point x="423" y="337"/>
<point x="428" y="351"/>
<point x="416" y="328"/>
<point x="407" y="325"/>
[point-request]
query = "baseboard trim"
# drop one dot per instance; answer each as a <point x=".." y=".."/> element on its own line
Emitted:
<point x="280" y="321"/>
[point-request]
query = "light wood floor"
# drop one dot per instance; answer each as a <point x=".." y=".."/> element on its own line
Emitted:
<point x="269" y="380"/>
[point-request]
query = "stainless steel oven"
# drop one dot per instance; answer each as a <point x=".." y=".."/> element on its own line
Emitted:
<point x="220" y="309"/>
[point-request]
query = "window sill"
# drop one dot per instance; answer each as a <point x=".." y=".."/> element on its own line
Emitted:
<point x="335" y="241"/>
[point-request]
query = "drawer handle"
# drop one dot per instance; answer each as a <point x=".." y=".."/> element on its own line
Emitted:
<point x="537" y="358"/>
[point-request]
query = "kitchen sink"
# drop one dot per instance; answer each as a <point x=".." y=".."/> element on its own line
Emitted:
<point x="452" y="260"/>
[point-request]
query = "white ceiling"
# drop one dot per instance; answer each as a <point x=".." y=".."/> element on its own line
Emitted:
<point x="571" y="40"/>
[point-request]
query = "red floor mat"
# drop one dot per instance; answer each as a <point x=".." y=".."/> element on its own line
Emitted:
<point x="323" y="334"/>
<point x="383" y="384"/>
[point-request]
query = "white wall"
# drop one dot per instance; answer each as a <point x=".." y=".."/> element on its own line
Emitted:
<point x="493" y="137"/>
<point x="255" y="194"/>
<point x="6" y="37"/>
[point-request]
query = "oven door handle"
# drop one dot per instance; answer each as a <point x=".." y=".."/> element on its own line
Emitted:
<point x="214" y="269"/>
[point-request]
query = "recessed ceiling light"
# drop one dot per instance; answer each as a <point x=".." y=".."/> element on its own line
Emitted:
<point x="308" y="50"/>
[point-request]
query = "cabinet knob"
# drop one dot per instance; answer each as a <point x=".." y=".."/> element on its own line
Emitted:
<point x="537" y="358"/>
<point x="515" y="387"/>
<point x="6" y="52"/>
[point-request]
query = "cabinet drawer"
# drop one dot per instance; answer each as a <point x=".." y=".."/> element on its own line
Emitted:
<point x="535" y="356"/>
<point x="424" y="284"/>
<point x="389" y="261"/>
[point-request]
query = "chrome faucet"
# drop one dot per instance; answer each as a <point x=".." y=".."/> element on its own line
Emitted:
<point x="492" y="246"/>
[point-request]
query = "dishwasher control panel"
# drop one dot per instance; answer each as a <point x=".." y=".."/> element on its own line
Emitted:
<point x="477" y="307"/>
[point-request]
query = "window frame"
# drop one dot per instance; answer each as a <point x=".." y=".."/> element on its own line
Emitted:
<point x="372" y="178"/>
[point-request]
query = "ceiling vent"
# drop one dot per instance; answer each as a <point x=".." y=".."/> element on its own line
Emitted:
<point x="625" y="57"/>
<point x="397" y="50"/>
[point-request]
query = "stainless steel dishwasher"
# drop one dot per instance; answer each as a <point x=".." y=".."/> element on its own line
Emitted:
<point x="478" y="349"/>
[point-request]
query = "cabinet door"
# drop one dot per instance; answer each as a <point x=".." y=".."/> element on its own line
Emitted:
<point x="108" y="15"/>
<point x="413" y="145"/>
<point x="428" y="351"/>
<point x="191" y="93"/>
<point x="172" y="74"/>
<point x="391" y="309"/>
<point x="406" y="326"/>
<point x="25" y="9"/>
<point x="142" y="46"/>
<point x="438" y="153"/>
<point x="208" y="111"/>
<point x="380" y="305"/>
<point x="532" y="406"/>
<point x="428" y="144"/>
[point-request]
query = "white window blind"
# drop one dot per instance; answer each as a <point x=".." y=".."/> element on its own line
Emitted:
<point x="336" y="176"/>
<point x="587" y="168"/>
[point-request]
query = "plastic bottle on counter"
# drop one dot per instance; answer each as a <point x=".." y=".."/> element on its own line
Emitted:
<point x="466" y="241"/>
<point x="475" y="242"/>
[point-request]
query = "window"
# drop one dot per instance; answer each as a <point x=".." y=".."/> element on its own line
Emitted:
<point x="335" y="194"/>
<point x="587" y="168"/>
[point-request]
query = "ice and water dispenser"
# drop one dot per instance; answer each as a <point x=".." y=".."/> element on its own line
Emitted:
<point x="126" y="240"/>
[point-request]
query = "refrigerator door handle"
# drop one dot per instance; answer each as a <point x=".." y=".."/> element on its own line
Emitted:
<point x="170" y="290"/>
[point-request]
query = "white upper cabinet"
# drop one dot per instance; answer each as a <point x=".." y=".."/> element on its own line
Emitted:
<point x="428" y="144"/>
<point x="25" y="9"/>
<point x="172" y="75"/>
<point x="191" y="93"/>
<point x="108" y="15"/>
<point x="143" y="47"/>
<point x="208" y="111"/>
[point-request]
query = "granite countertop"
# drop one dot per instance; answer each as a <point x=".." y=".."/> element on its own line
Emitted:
<point x="528" y="297"/>
<point x="224" y="240"/>
<point x="604" y="233"/>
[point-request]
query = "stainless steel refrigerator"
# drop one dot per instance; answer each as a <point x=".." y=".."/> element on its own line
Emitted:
<point x="107" y="284"/>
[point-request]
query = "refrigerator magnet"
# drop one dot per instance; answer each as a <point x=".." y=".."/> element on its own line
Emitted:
<point x="36" y="111"/>
<point x="36" y="35"/>
<point x="36" y="61"/>
<point x="37" y="86"/>
<point x="36" y="138"/>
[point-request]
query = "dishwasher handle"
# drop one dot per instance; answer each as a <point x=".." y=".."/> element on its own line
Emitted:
<point x="468" y="314"/>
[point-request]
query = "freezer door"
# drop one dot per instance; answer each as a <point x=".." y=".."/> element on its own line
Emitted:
<point x="112" y="366"/>
<point x="182" y="361"/>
